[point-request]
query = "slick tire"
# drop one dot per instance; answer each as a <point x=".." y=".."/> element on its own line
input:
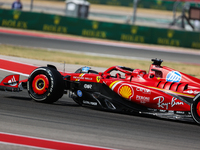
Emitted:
<point x="195" y="108"/>
<point x="45" y="84"/>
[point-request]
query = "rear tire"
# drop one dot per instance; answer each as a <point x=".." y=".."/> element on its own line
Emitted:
<point x="45" y="84"/>
<point x="195" y="109"/>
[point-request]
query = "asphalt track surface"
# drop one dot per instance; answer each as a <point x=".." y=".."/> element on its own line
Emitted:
<point x="141" y="53"/>
<point x="66" y="121"/>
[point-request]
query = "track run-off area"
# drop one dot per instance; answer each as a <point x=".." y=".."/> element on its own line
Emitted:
<point x="97" y="46"/>
<point x="67" y="123"/>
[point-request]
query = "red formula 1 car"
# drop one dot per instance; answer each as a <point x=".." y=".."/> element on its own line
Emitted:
<point x="163" y="92"/>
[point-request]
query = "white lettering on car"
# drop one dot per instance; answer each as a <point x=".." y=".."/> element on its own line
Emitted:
<point x="142" y="99"/>
<point x="90" y="103"/>
<point x="174" y="103"/>
<point x="143" y="90"/>
<point x="88" y="86"/>
<point x="163" y="104"/>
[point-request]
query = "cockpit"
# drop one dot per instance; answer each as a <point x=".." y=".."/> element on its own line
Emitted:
<point x="129" y="73"/>
<point x="123" y="73"/>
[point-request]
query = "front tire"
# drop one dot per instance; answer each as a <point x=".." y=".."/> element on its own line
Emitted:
<point x="45" y="84"/>
<point x="195" y="109"/>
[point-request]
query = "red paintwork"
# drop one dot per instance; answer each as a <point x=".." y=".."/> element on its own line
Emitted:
<point x="151" y="90"/>
<point x="10" y="79"/>
<point x="159" y="85"/>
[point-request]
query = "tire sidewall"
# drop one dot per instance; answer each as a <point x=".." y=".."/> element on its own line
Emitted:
<point x="55" y="89"/>
<point x="195" y="116"/>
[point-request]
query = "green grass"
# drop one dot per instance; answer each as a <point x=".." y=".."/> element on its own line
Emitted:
<point x="98" y="61"/>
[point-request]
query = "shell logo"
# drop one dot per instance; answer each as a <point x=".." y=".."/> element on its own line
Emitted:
<point x="126" y="91"/>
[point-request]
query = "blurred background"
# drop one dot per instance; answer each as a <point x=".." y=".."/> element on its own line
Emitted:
<point x="143" y="17"/>
<point x="158" y="13"/>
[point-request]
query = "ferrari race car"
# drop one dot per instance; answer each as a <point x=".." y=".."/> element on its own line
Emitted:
<point x="162" y="92"/>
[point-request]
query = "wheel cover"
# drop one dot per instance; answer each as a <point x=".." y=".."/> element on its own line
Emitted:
<point x="198" y="108"/>
<point x="40" y="84"/>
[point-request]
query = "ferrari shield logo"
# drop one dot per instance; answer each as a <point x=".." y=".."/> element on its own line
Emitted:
<point x="98" y="79"/>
